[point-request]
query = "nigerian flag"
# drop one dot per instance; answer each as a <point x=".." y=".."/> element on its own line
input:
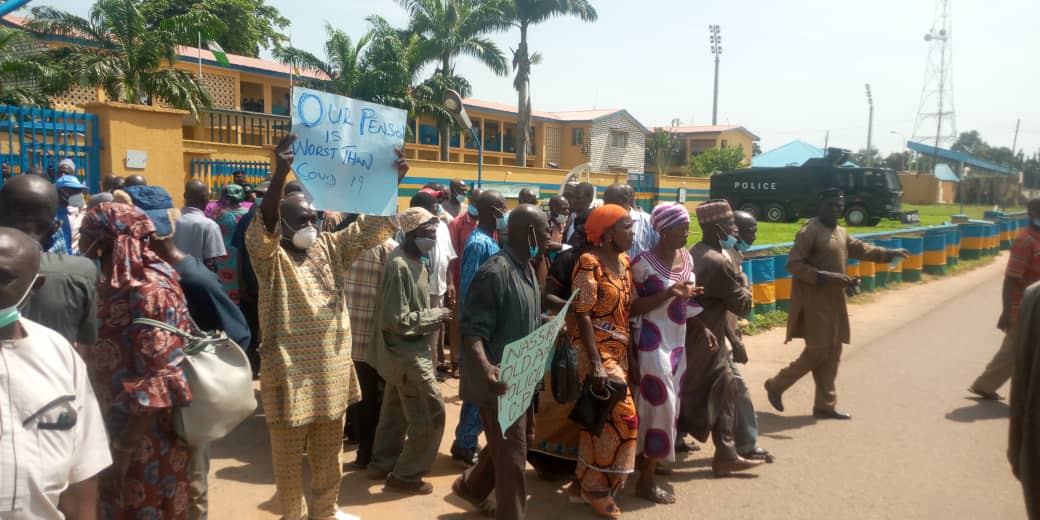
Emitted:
<point x="218" y="52"/>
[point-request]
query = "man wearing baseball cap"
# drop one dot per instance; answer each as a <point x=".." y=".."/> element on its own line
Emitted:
<point x="71" y="203"/>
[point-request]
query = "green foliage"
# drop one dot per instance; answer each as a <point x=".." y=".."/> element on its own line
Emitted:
<point x="27" y="80"/>
<point x="450" y="28"/>
<point x="122" y="55"/>
<point x="715" y="160"/>
<point x="245" y="26"/>
<point x="899" y="161"/>
<point x="764" y="322"/>
<point x="664" y="149"/>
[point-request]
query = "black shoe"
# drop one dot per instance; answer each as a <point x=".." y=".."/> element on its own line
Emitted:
<point x="412" y="487"/>
<point x="758" y="454"/>
<point x="467" y="456"/>
<point x="775" y="398"/>
<point x="830" y="414"/>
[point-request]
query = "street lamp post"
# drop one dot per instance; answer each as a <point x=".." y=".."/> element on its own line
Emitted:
<point x="716" y="49"/>
<point x="453" y="104"/>
<point x="870" y="127"/>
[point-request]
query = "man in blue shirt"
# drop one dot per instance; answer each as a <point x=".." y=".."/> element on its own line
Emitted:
<point x="481" y="245"/>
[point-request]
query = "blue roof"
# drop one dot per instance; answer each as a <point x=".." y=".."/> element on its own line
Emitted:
<point x="965" y="158"/>
<point x="794" y="153"/>
<point x="943" y="172"/>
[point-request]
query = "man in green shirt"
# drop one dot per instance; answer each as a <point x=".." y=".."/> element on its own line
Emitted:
<point x="411" y="421"/>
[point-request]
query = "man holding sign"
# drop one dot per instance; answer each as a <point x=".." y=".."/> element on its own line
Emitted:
<point x="503" y="305"/>
<point x="307" y="378"/>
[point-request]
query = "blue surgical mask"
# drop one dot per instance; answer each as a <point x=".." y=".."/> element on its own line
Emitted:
<point x="460" y="198"/>
<point x="533" y="250"/>
<point x="9" y="315"/>
<point x="502" y="222"/>
<point x="743" y="246"/>
<point x="730" y="242"/>
<point x="472" y="210"/>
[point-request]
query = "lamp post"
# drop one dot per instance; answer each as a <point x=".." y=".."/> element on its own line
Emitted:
<point x="870" y="127"/>
<point x="716" y="49"/>
<point x="453" y="104"/>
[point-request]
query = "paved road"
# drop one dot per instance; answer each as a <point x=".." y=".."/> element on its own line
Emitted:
<point x="917" y="447"/>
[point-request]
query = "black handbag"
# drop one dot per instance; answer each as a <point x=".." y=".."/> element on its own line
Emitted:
<point x="593" y="408"/>
<point x="563" y="373"/>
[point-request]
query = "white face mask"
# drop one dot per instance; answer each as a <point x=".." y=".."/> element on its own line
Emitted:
<point x="302" y="238"/>
<point x="561" y="219"/>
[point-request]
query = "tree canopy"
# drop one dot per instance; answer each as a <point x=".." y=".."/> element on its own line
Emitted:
<point x="246" y="26"/>
<point x="715" y="160"/>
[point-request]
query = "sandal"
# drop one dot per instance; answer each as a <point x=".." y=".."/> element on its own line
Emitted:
<point x="655" y="494"/>
<point x="603" y="506"/>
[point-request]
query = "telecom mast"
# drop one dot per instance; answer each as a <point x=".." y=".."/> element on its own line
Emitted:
<point x="936" y="121"/>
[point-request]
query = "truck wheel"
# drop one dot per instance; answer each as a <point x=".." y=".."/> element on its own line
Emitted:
<point x="751" y="209"/>
<point x="774" y="212"/>
<point x="856" y="216"/>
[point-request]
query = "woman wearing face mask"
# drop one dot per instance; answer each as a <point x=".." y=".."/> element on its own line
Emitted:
<point x="605" y="293"/>
<point x="136" y="369"/>
<point x="411" y="420"/>
<point x="227" y="215"/>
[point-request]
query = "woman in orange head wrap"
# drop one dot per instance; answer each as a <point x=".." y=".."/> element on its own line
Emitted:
<point x="604" y="283"/>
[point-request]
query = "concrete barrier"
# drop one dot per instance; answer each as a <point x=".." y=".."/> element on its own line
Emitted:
<point x="973" y="240"/>
<point x="749" y="272"/>
<point x="935" y="253"/>
<point x="763" y="289"/>
<point x="953" y="247"/>
<point x="913" y="265"/>
<point x="782" y="282"/>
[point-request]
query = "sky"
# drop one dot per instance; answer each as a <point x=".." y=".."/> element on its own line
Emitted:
<point x="789" y="70"/>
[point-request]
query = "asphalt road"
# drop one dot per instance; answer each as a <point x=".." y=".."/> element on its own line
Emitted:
<point x="918" y="446"/>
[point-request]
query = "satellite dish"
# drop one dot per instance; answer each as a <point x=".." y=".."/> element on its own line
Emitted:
<point x="575" y="174"/>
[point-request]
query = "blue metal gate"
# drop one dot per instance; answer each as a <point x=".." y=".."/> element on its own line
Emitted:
<point x="645" y="186"/>
<point x="39" y="138"/>
<point x="216" y="174"/>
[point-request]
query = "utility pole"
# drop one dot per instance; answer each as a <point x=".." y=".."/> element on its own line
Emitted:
<point x="716" y="49"/>
<point x="1014" y="145"/>
<point x="870" y="127"/>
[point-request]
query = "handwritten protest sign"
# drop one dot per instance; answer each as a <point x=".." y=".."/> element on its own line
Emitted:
<point x="344" y="152"/>
<point x="523" y="365"/>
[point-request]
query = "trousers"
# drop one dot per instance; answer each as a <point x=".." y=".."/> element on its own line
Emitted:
<point x="998" y="371"/>
<point x="198" y="483"/>
<point x="323" y="441"/>
<point x="500" y="466"/>
<point x="468" y="431"/>
<point x="745" y="423"/>
<point x="411" y="424"/>
<point x="366" y="413"/>
<point x="821" y="357"/>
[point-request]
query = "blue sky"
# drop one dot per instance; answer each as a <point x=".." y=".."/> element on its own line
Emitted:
<point x="790" y="70"/>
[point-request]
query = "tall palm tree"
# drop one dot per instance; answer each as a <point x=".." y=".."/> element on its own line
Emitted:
<point x="663" y="149"/>
<point x="450" y="28"/>
<point x="120" y="54"/>
<point x="524" y="14"/>
<point x="344" y="72"/>
<point x="26" y="80"/>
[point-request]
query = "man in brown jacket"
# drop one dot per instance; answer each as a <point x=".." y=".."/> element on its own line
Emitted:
<point x="818" y="312"/>
<point x="1024" y="440"/>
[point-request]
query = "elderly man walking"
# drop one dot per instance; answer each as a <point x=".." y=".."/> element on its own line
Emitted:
<point x="819" y="313"/>
<point x="307" y="377"/>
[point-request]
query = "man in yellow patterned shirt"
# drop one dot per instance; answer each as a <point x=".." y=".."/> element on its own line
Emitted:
<point x="307" y="378"/>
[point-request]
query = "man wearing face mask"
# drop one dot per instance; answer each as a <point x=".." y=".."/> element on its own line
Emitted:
<point x="708" y="395"/>
<point x="559" y="215"/>
<point x="457" y="191"/>
<point x="307" y="377"/>
<point x="54" y="443"/>
<point x="818" y="314"/>
<point x="411" y="421"/>
<point x="67" y="302"/>
<point x="70" y="211"/>
<point x="481" y="245"/>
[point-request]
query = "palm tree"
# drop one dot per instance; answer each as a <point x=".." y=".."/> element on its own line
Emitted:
<point x="26" y="80"/>
<point x="344" y="72"/>
<point x="120" y="54"/>
<point x="662" y="149"/>
<point x="450" y="28"/>
<point x="524" y="14"/>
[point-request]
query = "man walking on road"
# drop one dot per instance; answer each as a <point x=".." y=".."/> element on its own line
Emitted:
<point x="503" y="306"/>
<point x="819" y="313"/>
<point x="307" y="377"/>
<point x="1023" y="269"/>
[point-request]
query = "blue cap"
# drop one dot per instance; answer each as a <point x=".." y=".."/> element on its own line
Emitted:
<point x="157" y="204"/>
<point x="69" y="181"/>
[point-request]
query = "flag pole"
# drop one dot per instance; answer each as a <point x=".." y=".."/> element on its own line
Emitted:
<point x="200" y="55"/>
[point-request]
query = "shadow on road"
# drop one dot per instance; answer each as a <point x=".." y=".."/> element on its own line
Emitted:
<point x="980" y="411"/>
<point x="769" y="424"/>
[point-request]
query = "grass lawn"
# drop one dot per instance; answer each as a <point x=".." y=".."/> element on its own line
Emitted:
<point x="932" y="214"/>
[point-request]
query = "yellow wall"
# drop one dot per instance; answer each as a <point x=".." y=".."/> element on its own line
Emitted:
<point x="919" y="189"/>
<point x="156" y="131"/>
<point x="696" y="190"/>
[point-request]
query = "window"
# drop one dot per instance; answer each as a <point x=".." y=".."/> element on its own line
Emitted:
<point x="618" y="139"/>
<point x="577" y="137"/>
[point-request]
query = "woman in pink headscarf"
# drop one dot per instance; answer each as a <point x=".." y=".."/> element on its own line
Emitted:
<point x="136" y="369"/>
<point x="664" y="283"/>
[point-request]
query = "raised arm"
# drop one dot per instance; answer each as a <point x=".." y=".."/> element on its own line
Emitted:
<point x="283" y="159"/>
